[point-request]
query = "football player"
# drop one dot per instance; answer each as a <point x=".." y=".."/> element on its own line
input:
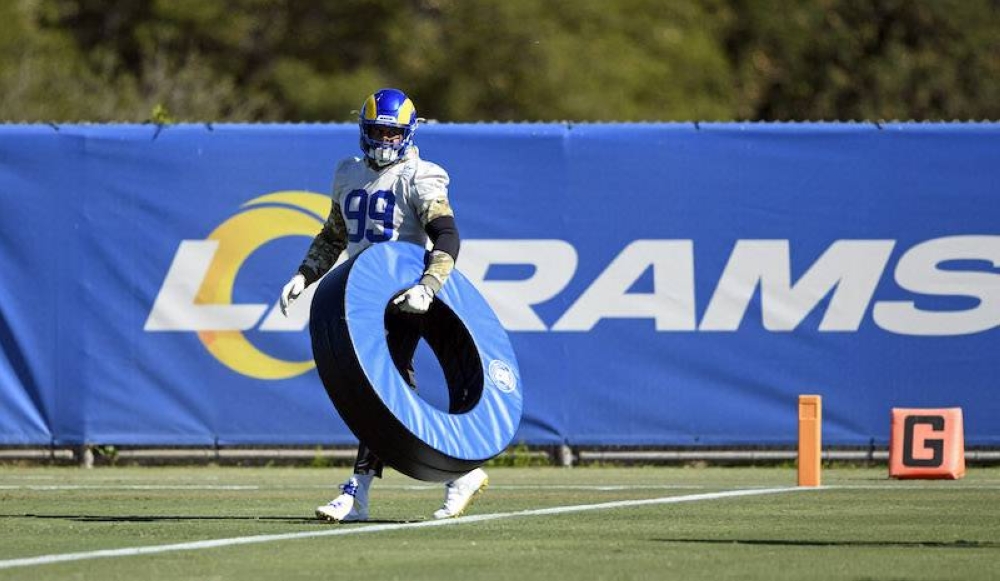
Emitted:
<point x="388" y="193"/>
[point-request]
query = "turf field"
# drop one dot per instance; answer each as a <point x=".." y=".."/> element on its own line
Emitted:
<point x="543" y="523"/>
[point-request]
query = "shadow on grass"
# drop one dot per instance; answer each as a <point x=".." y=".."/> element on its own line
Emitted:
<point x="959" y="544"/>
<point x="178" y="518"/>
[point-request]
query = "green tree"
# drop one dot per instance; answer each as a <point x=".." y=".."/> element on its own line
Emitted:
<point x="43" y="77"/>
<point x="865" y="59"/>
<point x="174" y="54"/>
<point x="584" y="60"/>
<point x="472" y="60"/>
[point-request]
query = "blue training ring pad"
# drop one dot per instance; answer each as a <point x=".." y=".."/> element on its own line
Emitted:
<point x="348" y="328"/>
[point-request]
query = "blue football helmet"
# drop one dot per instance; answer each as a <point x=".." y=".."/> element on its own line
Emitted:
<point x="387" y="122"/>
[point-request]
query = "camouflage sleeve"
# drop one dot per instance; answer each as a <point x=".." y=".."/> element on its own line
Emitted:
<point x="439" y="267"/>
<point x="435" y="208"/>
<point x="326" y="247"/>
<point x="430" y="182"/>
<point x="441" y="261"/>
<point x="438" y="220"/>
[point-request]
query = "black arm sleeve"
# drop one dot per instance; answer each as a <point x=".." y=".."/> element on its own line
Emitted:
<point x="444" y="234"/>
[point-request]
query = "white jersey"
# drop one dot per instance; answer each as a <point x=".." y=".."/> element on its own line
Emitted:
<point x="372" y="206"/>
<point x="389" y="204"/>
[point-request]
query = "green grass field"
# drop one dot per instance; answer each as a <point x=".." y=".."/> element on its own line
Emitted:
<point x="860" y="526"/>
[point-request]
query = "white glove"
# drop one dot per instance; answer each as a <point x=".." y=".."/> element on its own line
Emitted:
<point x="417" y="299"/>
<point x="291" y="292"/>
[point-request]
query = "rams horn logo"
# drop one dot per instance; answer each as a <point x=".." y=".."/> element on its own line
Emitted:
<point x="197" y="294"/>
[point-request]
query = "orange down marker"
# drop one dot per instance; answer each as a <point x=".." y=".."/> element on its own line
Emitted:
<point x="927" y="443"/>
<point x="810" y="439"/>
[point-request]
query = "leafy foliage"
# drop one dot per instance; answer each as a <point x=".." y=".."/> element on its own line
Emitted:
<point x="472" y="60"/>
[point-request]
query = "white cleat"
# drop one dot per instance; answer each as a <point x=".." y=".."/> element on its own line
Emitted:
<point x="351" y="505"/>
<point x="459" y="493"/>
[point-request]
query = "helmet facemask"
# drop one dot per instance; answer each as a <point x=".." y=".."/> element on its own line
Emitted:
<point x="387" y="121"/>
<point x="384" y="143"/>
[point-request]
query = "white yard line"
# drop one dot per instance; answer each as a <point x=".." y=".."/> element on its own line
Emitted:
<point x="610" y="487"/>
<point x="887" y="485"/>
<point x="918" y="485"/>
<point x="377" y="528"/>
<point x="58" y="487"/>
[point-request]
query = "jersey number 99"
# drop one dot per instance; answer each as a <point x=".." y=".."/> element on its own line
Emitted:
<point x="378" y="207"/>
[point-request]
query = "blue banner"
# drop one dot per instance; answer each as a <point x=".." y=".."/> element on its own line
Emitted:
<point x="662" y="284"/>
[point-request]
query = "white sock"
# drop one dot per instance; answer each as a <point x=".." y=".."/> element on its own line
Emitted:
<point x="364" y="482"/>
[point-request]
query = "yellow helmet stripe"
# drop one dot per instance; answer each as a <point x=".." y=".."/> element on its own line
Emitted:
<point x="406" y="111"/>
<point x="370" y="110"/>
